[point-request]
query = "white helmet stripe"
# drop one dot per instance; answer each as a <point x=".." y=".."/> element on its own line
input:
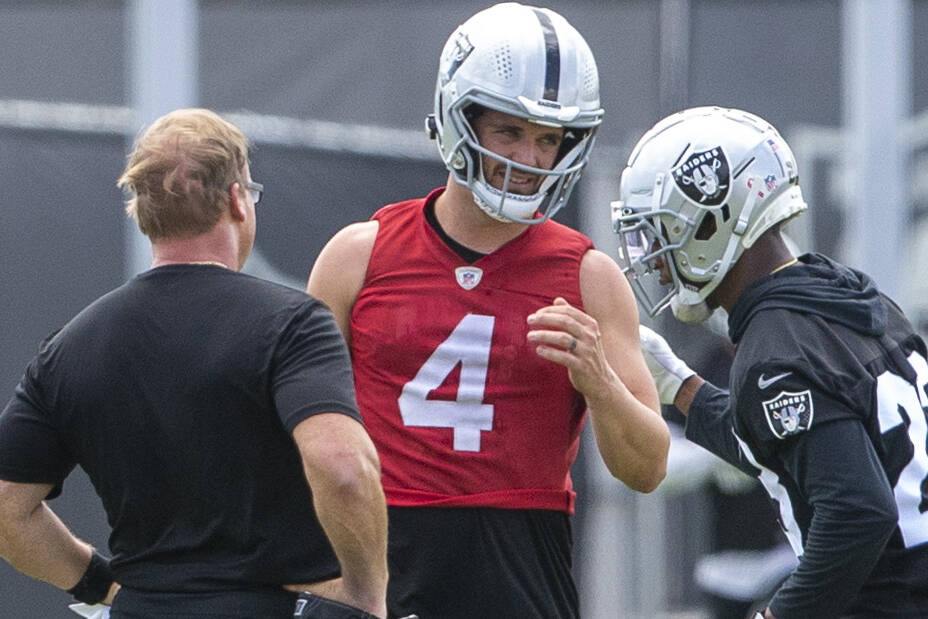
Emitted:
<point x="552" y="56"/>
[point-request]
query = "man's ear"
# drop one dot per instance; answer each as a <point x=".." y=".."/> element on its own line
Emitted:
<point x="237" y="207"/>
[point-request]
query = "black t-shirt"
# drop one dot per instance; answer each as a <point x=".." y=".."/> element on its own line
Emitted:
<point x="827" y="408"/>
<point x="176" y="393"/>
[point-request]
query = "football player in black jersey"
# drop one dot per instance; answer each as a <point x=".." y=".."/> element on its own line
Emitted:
<point x="829" y="383"/>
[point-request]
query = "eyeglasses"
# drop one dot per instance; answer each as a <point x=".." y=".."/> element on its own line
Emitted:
<point x="256" y="190"/>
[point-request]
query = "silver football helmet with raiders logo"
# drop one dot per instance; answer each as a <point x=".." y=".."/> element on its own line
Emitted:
<point x="528" y="62"/>
<point x="699" y="188"/>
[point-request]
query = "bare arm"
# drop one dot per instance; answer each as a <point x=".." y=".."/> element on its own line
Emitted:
<point x="343" y="471"/>
<point x="36" y="542"/>
<point x="338" y="274"/>
<point x="607" y="367"/>
<point x="353" y="518"/>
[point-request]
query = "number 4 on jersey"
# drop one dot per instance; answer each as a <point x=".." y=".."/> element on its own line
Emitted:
<point x="469" y="345"/>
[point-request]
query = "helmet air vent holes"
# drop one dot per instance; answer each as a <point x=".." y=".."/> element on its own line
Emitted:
<point x="502" y="56"/>
<point x="590" y="81"/>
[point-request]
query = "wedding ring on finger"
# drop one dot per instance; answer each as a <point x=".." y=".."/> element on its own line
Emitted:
<point x="573" y="345"/>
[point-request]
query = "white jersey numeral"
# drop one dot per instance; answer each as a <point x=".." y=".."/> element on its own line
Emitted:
<point x="777" y="492"/>
<point x="469" y="345"/>
<point x="899" y="403"/>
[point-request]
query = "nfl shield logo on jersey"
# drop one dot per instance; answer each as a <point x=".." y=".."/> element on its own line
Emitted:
<point x="468" y="277"/>
<point x="789" y="413"/>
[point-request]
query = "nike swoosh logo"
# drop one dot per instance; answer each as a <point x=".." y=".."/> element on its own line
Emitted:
<point x="763" y="383"/>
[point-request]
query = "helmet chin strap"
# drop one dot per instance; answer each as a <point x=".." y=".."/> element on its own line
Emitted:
<point x="492" y="201"/>
<point x="698" y="312"/>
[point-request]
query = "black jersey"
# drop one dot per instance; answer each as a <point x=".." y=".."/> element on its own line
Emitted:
<point x="176" y="393"/>
<point x="828" y="405"/>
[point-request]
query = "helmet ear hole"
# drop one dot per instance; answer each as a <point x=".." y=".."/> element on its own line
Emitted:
<point x="707" y="227"/>
<point x="431" y="127"/>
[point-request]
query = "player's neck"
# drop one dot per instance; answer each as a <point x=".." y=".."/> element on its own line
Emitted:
<point x="463" y="221"/>
<point x="209" y="248"/>
<point x="768" y="254"/>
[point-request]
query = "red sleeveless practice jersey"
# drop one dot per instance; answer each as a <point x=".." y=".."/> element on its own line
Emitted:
<point x="461" y="408"/>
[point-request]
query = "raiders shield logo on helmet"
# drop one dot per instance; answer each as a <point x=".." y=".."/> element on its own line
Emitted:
<point x="454" y="56"/>
<point x="789" y="413"/>
<point x="704" y="177"/>
<point x="468" y="277"/>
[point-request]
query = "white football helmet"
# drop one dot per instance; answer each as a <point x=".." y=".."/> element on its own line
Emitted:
<point x="699" y="188"/>
<point x="530" y="63"/>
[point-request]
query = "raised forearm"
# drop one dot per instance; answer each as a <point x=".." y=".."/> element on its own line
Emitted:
<point x="632" y="438"/>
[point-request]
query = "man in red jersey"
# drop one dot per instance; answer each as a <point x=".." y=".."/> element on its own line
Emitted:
<point x="481" y="332"/>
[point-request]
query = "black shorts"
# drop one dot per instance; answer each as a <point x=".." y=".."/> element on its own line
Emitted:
<point x="264" y="604"/>
<point x="476" y="563"/>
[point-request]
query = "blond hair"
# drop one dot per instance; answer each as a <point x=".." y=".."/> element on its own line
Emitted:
<point x="180" y="170"/>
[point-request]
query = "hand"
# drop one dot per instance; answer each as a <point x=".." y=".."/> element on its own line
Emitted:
<point x="667" y="369"/>
<point x="114" y="589"/>
<point x="566" y="335"/>
<point x="97" y="611"/>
